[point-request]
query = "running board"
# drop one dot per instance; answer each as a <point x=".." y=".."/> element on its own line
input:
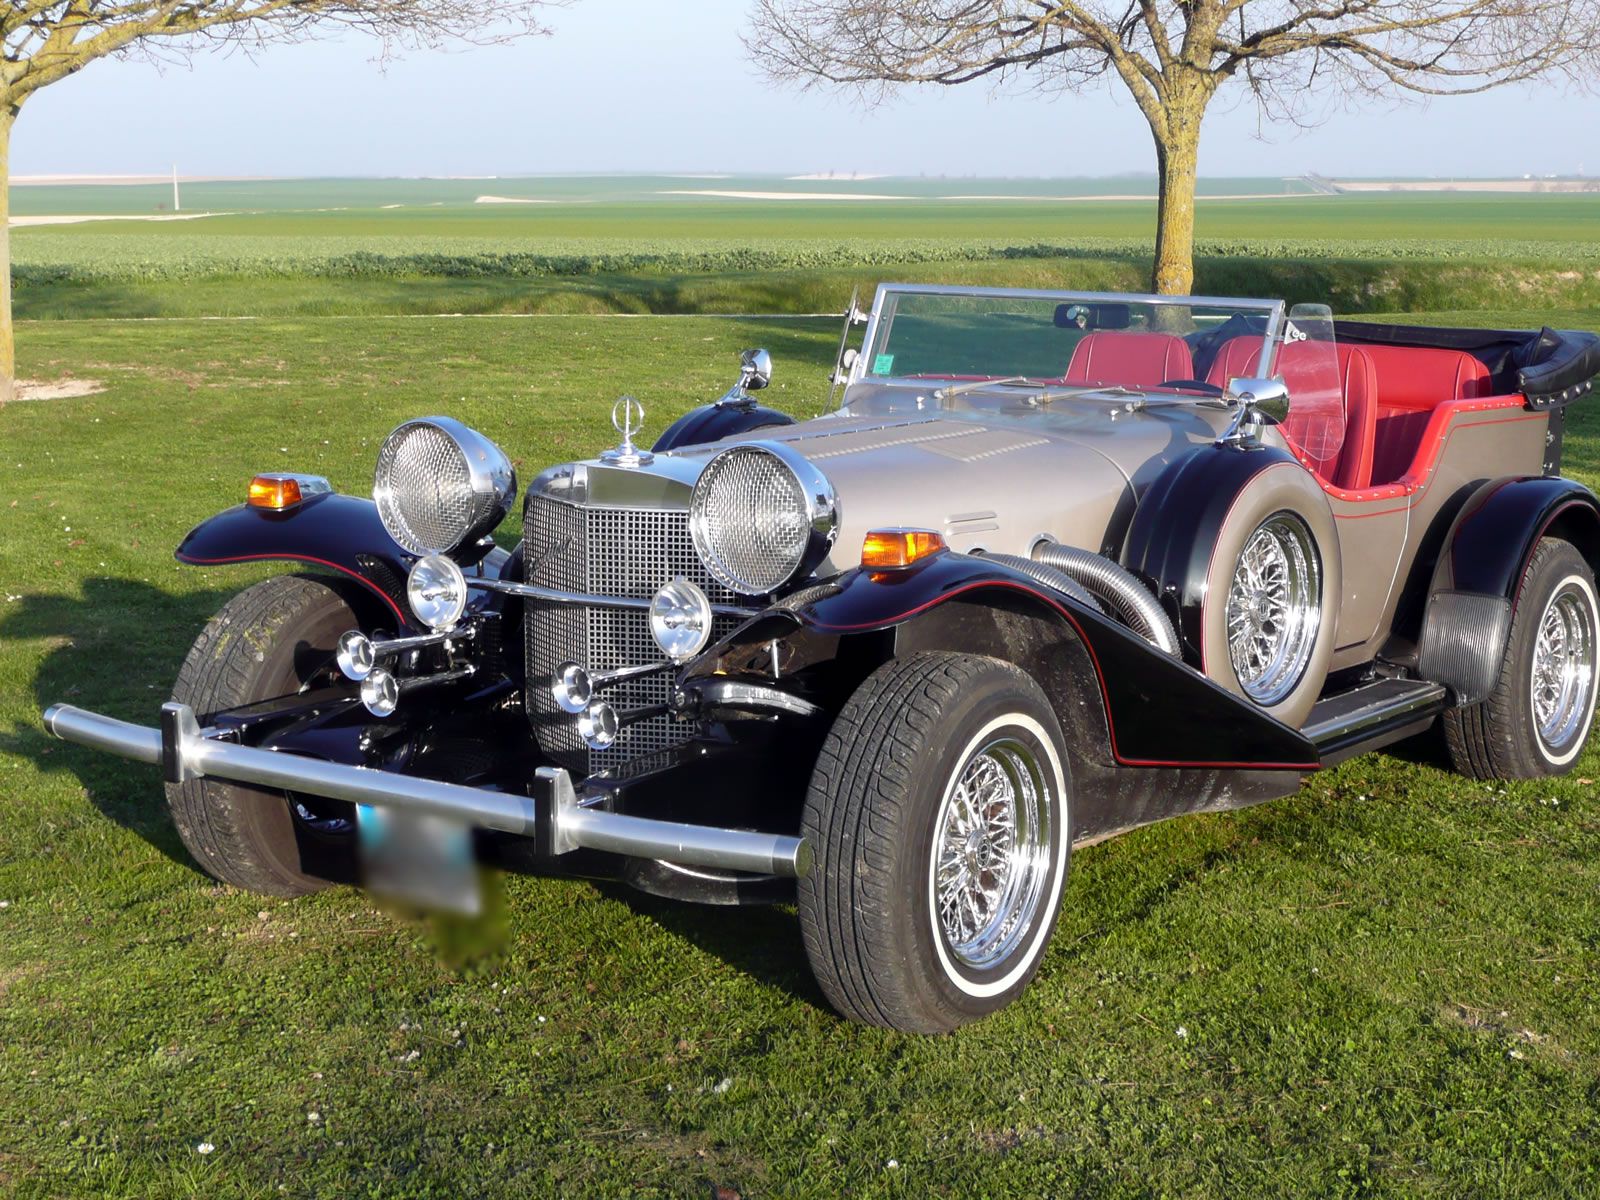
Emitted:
<point x="1371" y="716"/>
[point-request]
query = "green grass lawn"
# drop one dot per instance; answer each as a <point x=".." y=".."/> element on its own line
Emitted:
<point x="1387" y="985"/>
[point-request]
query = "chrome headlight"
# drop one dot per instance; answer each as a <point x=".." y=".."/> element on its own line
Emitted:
<point x="761" y="516"/>
<point x="437" y="591"/>
<point x="441" y="486"/>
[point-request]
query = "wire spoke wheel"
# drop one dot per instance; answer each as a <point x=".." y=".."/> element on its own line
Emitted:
<point x="991" y="857"/>
<point x="1274" y="608"/>
<point x="1563" y="673"/>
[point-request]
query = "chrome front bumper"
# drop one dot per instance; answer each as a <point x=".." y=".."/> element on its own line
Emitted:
<point x="553" y="814"/>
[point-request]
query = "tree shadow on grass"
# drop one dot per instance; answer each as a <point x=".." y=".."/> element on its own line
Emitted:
<point x="115" y="650"/>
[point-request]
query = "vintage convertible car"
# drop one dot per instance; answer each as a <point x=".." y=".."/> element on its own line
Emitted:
<point x="1056" y="566"/>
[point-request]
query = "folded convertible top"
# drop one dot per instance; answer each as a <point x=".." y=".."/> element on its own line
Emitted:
<point x="1552" y="367"/>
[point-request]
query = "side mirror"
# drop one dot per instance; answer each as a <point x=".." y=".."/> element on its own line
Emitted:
<point x="755" y="370"/>
<point x="1269" y="397"/>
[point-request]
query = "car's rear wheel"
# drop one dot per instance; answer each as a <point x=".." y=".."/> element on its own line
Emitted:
<point x="1537" y="719"/>
<point x="270" y="640"/>
<point x="940" y="816"/>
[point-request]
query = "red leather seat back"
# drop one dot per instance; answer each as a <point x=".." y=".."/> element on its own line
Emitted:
<point x="1236" y="360"/>
<point x="1350" y="465"/>
<point x="1301" y="364"/>
<point x="1131" y="359"/>
<point x="1416" y="377"/>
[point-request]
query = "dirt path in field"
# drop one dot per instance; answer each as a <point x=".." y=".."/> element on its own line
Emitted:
<point x="61" y="219"/>
<point x="57" y="389"/>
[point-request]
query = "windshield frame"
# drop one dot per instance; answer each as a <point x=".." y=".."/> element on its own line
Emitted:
<point x="1273" y="310"/>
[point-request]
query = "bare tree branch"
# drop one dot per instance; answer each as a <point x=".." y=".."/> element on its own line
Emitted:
<point x="1175" y="56"/>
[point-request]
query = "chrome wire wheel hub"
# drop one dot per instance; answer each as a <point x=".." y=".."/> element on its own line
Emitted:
<point x="1274" y="608"/>
<point x="991" y="854"/>
<point x="1564" y="667"/>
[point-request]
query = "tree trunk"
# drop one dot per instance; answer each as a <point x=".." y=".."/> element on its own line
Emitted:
<point x="1177" y="156"/>
<point x="8" y="346"/>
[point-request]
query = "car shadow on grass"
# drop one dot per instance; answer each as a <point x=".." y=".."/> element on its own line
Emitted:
<point x="759" y="940"/>
<point x="114" y="649"/>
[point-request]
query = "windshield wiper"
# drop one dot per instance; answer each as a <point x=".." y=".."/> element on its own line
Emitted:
<point x="977" y="385"/>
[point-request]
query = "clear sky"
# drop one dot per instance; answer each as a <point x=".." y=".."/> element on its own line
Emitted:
<point x="641" y="85"/>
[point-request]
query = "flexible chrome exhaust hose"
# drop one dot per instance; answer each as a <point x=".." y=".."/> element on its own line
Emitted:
<point x="1118" y="587"/>
<point x="1051" y="577"/>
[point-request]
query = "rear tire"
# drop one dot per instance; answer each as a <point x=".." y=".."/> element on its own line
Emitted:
<point x="939" y="814"/>
<point x="1536" y="720"/>
<point x="268" y="641"/>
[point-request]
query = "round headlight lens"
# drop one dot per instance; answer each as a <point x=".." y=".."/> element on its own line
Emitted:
<point x="680" y="620"/>
<point x="754" y="523"/>
<point x="440" y="485"/>
<point x="437" y="591"/>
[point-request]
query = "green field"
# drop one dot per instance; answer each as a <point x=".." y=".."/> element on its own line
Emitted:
<point x="304" y="248"/>
<point x="1388" y="985"/>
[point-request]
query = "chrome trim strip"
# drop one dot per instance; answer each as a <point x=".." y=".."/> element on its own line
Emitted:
<point x="188" y="753"/>
<point x="1382" y="708"/>
<point x="531" y="591"/>
<point x="733" y="693"/>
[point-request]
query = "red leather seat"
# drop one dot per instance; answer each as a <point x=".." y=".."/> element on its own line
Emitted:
<point x="1301" y="364"/>
<point x="1421" y="377"/>
<point x="1132" y="359"/>
<point x="1412" y="382"/>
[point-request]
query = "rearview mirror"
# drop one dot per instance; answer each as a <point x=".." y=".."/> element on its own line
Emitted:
<point x="755" y="370"/>
<point x="1269" y="397"/>
<point x="1093" y="316"/>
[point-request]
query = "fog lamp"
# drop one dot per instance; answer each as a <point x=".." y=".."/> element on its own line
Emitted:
<point x="680" y="620"/>
<point x="572" y="689"/>
<point x="355" y="655"/>
<point x="437" y="591"/>
<point x="598" y="725"/>
<point x="380" y="692"/>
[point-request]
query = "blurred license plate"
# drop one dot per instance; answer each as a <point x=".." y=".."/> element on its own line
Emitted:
<point x="418" y="858"/>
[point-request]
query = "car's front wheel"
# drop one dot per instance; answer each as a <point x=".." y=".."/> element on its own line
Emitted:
<point x="940" y="815"/>
<point x="271" y="640"/>
<point x="1536" y="720"/>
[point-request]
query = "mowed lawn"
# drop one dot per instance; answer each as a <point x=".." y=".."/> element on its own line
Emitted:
<point x="1387" y="985"/>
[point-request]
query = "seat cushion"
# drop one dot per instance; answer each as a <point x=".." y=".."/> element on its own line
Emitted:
<point x="1131" y="359"/>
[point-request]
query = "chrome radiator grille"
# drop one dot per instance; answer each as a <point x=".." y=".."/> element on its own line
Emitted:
<point x="612" y="552"/>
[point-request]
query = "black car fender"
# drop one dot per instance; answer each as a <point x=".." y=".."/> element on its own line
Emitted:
<point x="713" y="422"/>
<point x="1473" y="592"/>
<point x="1149" y="709"/>
<point x="338" y="533"/>
<point x="1174" y="532"/>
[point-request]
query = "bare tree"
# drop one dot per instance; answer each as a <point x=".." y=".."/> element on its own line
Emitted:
<point x="44" y="41"/>
<point x="1175" y="56"/>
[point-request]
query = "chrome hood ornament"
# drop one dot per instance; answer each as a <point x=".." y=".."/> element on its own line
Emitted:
<point x="627" y="417"/>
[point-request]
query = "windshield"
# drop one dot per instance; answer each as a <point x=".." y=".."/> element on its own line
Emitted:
<point x="1136" y="342"/>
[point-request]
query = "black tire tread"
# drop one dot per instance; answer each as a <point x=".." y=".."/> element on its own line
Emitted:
<point x="846" y="902"/>
<point x="1482" y="738"/>
<point x="211" y="815"/>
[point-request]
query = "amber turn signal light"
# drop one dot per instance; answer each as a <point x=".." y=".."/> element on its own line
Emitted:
<point x="273" y="491"/>
<point x="891" y="549"/>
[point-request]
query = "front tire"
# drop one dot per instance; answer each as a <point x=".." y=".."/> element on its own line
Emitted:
<point x="939" y="812"/>
<point x="1537" y="719"/>
<point x="268" y="641"/>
